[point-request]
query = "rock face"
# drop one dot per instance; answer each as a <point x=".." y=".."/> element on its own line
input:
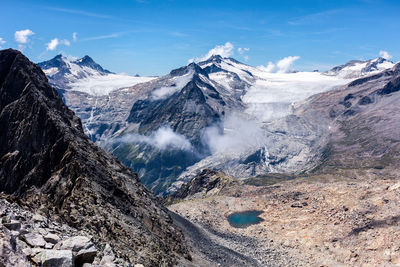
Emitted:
<point x="49" y="165"/>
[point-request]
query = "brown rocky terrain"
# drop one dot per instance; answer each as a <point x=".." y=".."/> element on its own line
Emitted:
<point x="50" y="167"/>
<point x="322" y="220"/>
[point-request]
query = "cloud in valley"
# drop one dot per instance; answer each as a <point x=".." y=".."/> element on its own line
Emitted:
<point x="163" y="138"/>
<point x="240" y="134"/>
<point x="52" y="45"/>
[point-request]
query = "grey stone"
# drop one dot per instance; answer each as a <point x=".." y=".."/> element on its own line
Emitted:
<point x="52" y="238"/>
<point x="55" y="258"/>
<point x="13" y="225"/>
<point x="85" y="256"/>
<point x="35" y="240"/>
<point x="83" y="248"/>
<point x="75" y="243"/>
<point x="42" y="231"/>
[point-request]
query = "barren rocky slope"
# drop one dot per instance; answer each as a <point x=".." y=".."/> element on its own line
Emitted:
<point x="324" y="220"/>
<point x="49" y="166"/>
<point x="363" y="123"/>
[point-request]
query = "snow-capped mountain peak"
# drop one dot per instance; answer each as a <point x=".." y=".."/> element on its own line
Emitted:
<point x="72" y="69"/>
<point x="85" y="75"/>
<point x="359" y="68"/>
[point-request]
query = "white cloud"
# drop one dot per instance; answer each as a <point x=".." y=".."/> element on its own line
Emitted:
<point x="285" y="63"/>
<point x="163" y="138"/>
<point x="52" y="45"/>
<point x="2" y="42"/>
<point x="74" y="36"/>
<point x="242" y="50"/>
<point x="226" y="50"/>
<point x="282" y="66"/>
<point x="22" y="37"/>
<point x="385" y="54"/>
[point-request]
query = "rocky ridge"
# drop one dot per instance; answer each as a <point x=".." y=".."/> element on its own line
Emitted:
<point x="50" y="167"/>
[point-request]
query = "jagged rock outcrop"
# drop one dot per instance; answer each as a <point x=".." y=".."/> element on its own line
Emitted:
<point x="48" y="164"/>
<point x="205" y="184"/>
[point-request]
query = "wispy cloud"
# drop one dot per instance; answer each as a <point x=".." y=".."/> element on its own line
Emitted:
<point x="80" y="12"/>
<point x="100" y="37"/>
<point x="315" y="17"/>
<point x="74" y="37"/>
<point x="243" y="51"/>
<point x="178" y="34"/>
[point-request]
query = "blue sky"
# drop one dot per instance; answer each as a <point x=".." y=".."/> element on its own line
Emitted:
<point x="152" y="37"/>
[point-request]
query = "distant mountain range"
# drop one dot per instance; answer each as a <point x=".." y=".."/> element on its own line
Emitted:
<point x="218" y="113"/>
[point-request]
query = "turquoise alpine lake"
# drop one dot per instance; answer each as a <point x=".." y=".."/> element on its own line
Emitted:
<point x="245" y="218"/>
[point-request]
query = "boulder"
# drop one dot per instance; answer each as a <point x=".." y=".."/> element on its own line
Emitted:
<point x="34" y="240"/>
<point x="83" y="249"/>
<point x="85" y="256"/>
<point x="75" y="243"/>
<point x="13" y="225"/>
<point x="55" y="258"/>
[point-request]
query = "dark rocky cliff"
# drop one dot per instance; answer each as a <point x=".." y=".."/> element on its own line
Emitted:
<point x="50" y="166"/>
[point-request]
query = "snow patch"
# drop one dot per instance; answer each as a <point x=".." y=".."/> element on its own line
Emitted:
<point x="104" y="84"/>
<point x="166" y="91"/>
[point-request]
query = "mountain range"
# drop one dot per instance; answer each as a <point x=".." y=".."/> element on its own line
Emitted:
<point x="218" y="113"/>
